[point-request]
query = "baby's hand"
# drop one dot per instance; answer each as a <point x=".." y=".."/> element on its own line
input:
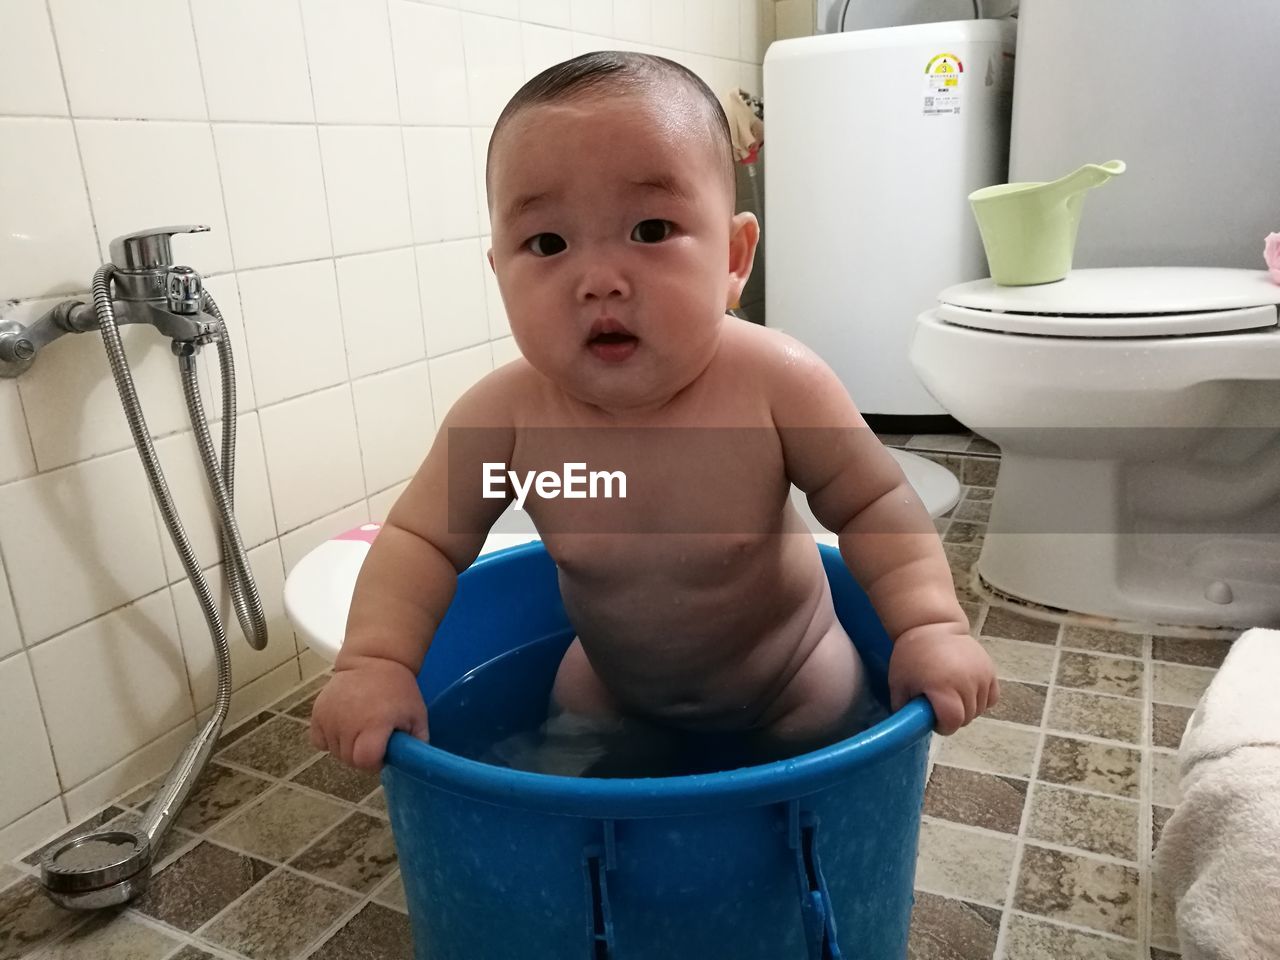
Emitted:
<point x="359" y="708"/>
<point x="950" y="668"/>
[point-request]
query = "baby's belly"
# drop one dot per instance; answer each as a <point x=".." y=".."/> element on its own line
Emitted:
<point x="705" y="633"/>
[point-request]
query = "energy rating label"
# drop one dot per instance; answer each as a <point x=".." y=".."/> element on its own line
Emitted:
<point x="942" y="85"/>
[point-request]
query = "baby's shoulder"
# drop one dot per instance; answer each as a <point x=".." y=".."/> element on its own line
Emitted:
<point x="494" y="398"/>
<point x="769" y="354"/>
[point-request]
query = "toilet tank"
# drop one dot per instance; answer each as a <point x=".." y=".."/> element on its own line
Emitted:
<point x="871" y="158"/>
<point x="1185" y="94"/>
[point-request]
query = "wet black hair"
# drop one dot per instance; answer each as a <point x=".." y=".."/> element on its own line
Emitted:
<point x="621" y="71"/>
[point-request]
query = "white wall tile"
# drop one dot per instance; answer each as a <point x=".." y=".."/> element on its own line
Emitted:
<point x="124" y="672"/>
<point x="380" y="504"/>
<point x="149" y="174"/>
<point x="365" y="182"/>
<point x="349" y="51"/>
<point x="274" y="191"/>
<point x="296" y="544"/>
<point x="73" y="407"/>
<point x="293" y="328"/>
<point x="126" y="775"/>
<point x="756" y="27"/>
<point x="455" y="374"/>
<point x="480" y="157"/>
<point x="92" y="524"/>
<point x="30" y="80"/>
<point x="725" y="28"/>
<point x="313" y="456"/>
<point x="393" y="413"/>
<point x="16" y="457"/>
<point x="495" y="70"/>
<point x="26" y="833"/>
<point x="594" y="17"/>
<point x="700" y="25"/>
<point x="494" y="8"/>
<point x="633" y="20"/>
<point x="751" y="79"/>
<point x="499" y="324"/>
<point x="441" y="195"/>
<point x="226" y="294"/>
<point x="544" y="47"/>
<point x="29" y="775"/>
<point x="46" y="236"/>
<point x="668" y="22"/>
<point x="247" y="664"/>
<point x="10" y="638"/>
<point x="555" y="13"/>
<point x="131" y="59"/>
<point x="591" y="43"/>
<point x="430" y="70"/>
<point x="454" y="311"/>
<point x="382" y="321"/>
<point x="189" y="487"/>
<point x="256" y="695"/>
<point x="254" y="59"/>
<point x="504" y="351"/>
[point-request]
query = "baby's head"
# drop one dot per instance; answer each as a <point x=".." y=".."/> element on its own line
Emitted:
<point x="615" y="243"/>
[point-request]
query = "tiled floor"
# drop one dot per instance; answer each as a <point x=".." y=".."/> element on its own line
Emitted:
<point x="1036" y="842"/>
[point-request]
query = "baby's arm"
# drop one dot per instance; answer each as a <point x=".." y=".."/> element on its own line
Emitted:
<point x="408" y="580"/>
<point x="857" y="490"/>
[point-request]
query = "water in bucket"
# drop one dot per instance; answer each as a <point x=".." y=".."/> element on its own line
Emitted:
<point x="466" y="720"/>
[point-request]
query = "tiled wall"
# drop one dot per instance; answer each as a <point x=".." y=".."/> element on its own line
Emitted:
<point x="336" y="148"/>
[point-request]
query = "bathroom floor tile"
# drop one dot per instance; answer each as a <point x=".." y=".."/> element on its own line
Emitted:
<point x="1159" y="817"/>
<point x="1078" y="889"/>
<point x="329" y="776"/>
<point x="940" y="442"/>
<point x="9" y="875"/>
<point x="1196" y="653"/>
<point x="242" y="730"/>
<point x="991" y="747"/>
<point x="106" y="815"/>
<point x="943" y="928"/>
<point x="1029" y="938"/>
<point x="1094" y="766"/>
<point x="1010" y="625"/>
<point x="284" y="822"/>
<point x="305" y="692"/>
<point x="963" y="531"/>
<point x="1164" y="927"/>
<point x="303" y="710"/>
<point x="376" y="801"/>
<point x="978" y="511"/>
<point x="893" y="439"/>
<point x="978" y="799"/>
<point x="1158" y="954"/>
<point x="1096" y="824"/>
<point x="980" y="471"/>
<point x="957" y="862"/>
<point x="983" y="446"/>
<point x="219" y="791"/>
<point x="978" y="493"/>
<point x="192" y="953"/>
<point x="1167" y="725"/>
<point x="973" y="612"/>
<point x="1099" y="674"/>
<point x="375" y="933"/>
<point x="284" y="916"/>
<point x="1019" y="660"/>
<point x="108" y="936"/>
<point x="1165" y="778"/>
<point x="1177" y="684"/>
<point x="200" y="884"/>
<point x="1019" y="703"/>
<point x="280" y="745"/>
<point x="1111" y="718"/>
<point x="29" y="919"/>
<point x="358" y="853"/>
<point x="1103" y="641"/>
<point x="961" y="557"/>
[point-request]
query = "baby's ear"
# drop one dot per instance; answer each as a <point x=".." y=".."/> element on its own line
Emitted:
<point x="744" y="236"/>
<point x="489" y="256"/>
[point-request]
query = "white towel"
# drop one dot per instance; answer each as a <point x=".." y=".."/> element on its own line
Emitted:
<point x="1219" y="854"/>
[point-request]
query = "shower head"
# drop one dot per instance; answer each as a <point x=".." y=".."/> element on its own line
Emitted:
<point x="100" y="869"/>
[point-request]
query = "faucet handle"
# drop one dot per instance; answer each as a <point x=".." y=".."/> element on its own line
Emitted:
<point x="148" y="249"/>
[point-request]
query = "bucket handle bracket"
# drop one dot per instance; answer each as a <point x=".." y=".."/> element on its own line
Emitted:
<point x="597" y="861"/>
<point x="815" y="903"/>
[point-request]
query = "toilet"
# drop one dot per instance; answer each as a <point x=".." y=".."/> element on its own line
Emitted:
<point x="1137" y="410"/>
<point x="317" y="591"/>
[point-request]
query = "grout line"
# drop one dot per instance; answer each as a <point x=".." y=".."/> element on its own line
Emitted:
<point x="1028" y="803"/>
<point x="1145" y="884"/>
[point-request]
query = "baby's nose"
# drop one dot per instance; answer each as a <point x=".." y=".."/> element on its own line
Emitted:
<point x="602" y="280"/>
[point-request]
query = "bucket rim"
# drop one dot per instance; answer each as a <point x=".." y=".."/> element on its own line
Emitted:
<point x="638" y="797"/>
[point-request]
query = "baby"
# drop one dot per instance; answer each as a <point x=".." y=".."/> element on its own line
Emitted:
<point x="699" y="600"/>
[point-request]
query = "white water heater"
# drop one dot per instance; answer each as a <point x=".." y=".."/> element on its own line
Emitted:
<point x="875" y="138"/>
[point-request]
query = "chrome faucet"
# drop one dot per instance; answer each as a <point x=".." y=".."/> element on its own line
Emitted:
<point x="141" y="284"/>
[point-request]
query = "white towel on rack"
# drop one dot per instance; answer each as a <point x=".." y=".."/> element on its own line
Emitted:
<point x="1219" y="854"/>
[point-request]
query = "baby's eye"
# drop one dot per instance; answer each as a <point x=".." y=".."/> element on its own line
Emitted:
<point x="651" y="231"/>
<point x="546" y="245"/>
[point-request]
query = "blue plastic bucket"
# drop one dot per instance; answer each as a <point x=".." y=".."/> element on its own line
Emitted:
<point x="810" y="858"/>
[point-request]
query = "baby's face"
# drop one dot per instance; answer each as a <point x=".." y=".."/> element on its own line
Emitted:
<point x="615" y="245"/>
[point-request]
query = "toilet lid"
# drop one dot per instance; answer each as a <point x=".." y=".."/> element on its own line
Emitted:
<point x="1120" y="302"/>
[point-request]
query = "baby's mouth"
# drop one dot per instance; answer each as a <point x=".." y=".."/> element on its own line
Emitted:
<point x="610" y="340"/>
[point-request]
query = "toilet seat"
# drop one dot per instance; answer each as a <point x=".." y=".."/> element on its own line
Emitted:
<point x="1119" y="302"/>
